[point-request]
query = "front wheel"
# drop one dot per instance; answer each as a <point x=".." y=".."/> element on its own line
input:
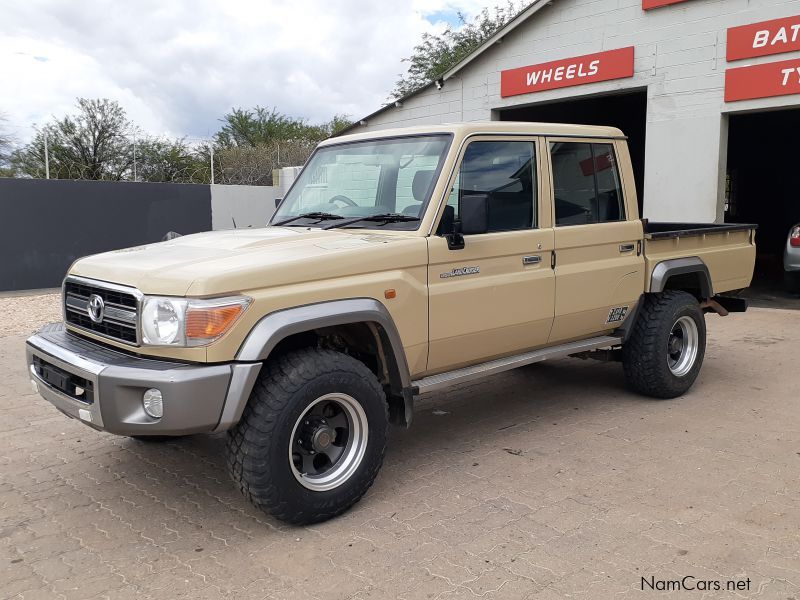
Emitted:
<point x="312" y="438"/>
<point x="665" y="351"/>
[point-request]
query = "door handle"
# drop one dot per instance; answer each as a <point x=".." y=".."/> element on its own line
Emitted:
<point x="627" y="247"/>
<point x="531" y="260"/>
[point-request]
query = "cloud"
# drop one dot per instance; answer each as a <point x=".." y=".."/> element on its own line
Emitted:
<point x="178" y="66"/>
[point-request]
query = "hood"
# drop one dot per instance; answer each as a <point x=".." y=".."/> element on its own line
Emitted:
<point x="222" y="262"/>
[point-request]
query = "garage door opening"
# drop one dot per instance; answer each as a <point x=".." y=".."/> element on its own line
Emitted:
<point x="627" y="111"/>
<point x="762" y="187"/>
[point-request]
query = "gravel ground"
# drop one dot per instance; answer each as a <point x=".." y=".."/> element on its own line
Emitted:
<point x="26" y="314"/>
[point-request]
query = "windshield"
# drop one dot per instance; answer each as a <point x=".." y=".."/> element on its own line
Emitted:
<point x="363" y="179"/>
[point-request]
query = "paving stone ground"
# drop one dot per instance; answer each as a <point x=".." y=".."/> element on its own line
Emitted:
<point x="552" y="481"/>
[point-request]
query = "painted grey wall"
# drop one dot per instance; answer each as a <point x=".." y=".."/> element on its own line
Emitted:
<point x="247" y="205"/>
<point x="680" y="60"/>
<point x="47" y="224"/>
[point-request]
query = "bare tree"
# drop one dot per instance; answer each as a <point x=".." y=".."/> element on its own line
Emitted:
<point x="253" y="165"/>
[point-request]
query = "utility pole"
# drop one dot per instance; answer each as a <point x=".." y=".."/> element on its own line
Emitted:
<point x="212" y="164"/>
<point x="46" y="157"/>
<point x="134" y="158"/>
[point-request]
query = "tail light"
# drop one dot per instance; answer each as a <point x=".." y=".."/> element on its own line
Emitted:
<point x="794" y="237"/>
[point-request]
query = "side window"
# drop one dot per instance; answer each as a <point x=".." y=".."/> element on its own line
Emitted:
<point x="506" y="173"/>
<point x="586" y="183"/>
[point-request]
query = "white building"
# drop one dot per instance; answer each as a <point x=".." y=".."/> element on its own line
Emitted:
<point x="706" y="90"/>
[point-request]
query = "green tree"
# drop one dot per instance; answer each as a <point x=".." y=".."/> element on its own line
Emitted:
<point x="253" y="142"/>
<point x="259" y="125"/>
<point x="435" y="54"/>
<point x="91" y="144"/>
<point x="171" y="161"/>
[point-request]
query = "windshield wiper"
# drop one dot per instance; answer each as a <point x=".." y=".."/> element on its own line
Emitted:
<point x="320" y="216"/>
<point x="384" y="218"/>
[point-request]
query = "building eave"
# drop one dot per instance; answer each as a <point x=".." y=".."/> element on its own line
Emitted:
<point x="495" y="38"/>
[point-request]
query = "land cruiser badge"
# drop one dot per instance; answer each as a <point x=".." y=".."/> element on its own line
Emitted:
<point x="617" y="314"/>
<point x="460" y="271"/>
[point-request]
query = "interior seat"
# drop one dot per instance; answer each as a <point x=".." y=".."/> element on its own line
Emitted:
<point x="419" y="189"/>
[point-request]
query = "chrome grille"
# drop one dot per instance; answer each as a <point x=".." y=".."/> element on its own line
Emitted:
<point x="121" y="308"/>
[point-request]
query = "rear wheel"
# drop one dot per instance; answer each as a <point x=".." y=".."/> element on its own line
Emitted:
<point x="665" y="351"/>
<point x="312" y="438"/>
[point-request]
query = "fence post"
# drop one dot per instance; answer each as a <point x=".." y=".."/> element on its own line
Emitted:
<point x="212" y="164"/>
<point x="46" y="157"/>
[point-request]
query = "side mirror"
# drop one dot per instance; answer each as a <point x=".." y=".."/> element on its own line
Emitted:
<point x="278" y="202"/>
<point x="474" y="214"/>
<point x="450" y="230"/>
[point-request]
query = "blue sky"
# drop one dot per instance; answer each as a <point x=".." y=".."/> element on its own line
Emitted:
<point x="448" y="16"/>
<point x="178" y="66"/>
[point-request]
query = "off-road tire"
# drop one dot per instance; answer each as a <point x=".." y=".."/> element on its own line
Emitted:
<point x="645" y="353"/>
<point x="258" y="446"/>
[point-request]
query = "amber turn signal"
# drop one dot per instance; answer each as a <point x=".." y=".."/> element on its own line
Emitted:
<point x="389" y="294"/>
<point x="211" y="322"/>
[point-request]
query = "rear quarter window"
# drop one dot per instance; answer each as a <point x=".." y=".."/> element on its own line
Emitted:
<point x="586" y="183"/>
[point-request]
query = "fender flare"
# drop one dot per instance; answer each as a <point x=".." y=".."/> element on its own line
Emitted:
<point x="277" y="326"/>
<point x="681" y="266"/>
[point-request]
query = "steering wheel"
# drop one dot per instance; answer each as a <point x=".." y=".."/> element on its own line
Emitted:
<point x="343" y="199"/>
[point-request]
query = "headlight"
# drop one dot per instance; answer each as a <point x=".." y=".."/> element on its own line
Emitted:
<point x="182" y="322"/>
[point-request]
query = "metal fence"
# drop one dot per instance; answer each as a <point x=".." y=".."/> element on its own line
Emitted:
<point x="185" y="160"/>
<point x="47" y="224"/>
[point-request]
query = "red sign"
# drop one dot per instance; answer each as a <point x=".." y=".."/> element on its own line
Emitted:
<point x="598" y="164"/>
<point x="648" y="4"/>
<point x="761" y="39"/>
<point x="603" y="66"/>
<point x="763" y="81"/>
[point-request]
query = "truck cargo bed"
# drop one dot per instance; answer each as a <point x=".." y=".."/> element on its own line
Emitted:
<point x="728" y="250"/>
<point x="654" y="230"/>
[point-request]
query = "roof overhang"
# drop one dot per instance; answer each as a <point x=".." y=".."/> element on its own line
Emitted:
<point x="495" y="38"/>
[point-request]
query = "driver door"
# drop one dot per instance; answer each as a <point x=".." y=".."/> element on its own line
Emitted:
<point x="495" y="296"/>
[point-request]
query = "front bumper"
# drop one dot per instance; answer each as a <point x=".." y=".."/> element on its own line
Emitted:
<point x="104" y="388"/>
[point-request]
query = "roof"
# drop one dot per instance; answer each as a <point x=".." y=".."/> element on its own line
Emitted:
<point x="461" y="130"/>
<point x="495" y="38"/>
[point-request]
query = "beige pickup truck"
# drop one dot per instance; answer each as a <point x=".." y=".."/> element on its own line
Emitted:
<point x="399" y="262"/>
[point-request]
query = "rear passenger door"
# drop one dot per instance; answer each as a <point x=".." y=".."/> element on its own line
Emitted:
<point x="494" y="296"/>
<point x="599" y="267"/>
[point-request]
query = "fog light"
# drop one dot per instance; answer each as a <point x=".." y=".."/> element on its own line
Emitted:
<point x="153" y="403"/>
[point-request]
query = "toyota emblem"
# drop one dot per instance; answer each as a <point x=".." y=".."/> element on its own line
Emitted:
<point x="95" y="308"/>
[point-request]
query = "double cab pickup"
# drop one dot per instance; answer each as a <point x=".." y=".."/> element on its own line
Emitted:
<point x="400" y="262"/>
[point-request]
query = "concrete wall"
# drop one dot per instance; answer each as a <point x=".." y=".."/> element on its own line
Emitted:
<point x="680" y="60"/>
<point x="246" y="205"/>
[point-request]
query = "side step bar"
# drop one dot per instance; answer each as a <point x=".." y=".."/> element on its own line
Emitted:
<point x="442" y="380"/>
